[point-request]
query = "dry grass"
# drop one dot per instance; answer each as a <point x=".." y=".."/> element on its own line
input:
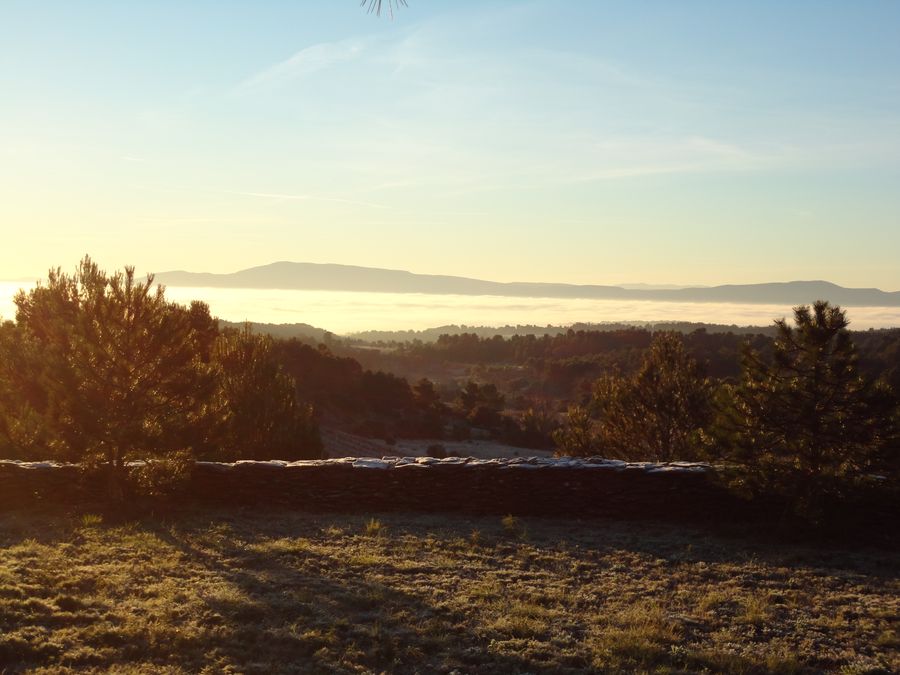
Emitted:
<point x="264" y="592"/>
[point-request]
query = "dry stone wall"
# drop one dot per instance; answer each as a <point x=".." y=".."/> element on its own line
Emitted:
<point x="520" y="486"/>
<point x="568" y="488"/>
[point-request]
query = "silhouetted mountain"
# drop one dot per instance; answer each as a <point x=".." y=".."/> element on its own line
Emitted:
<point x="311" y="276"/>
<point x="657" y="287"/>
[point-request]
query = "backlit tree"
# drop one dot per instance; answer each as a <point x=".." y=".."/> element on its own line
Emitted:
<point x="660" y="412"/>
<point x="118" y="372"/>
<point x="807" y="424"/>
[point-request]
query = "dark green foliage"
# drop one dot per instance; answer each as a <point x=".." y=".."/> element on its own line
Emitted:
<point x="385" y="393"/>
<point x="431" y="410"/>
<point x="806" y="424"/>
<point x="260" y="416"/>
<point x="660" y="412"/>
<point x="324" y="380"/>
<point x="468" y="347"/>
<point x="576" y="437"/>
<point x="879" y="355"/>
<point x="427" y="397"/>
<point x="160" y="477"/>
<point x="535" y="426"/>
<point x="481" y="405"/>
<point x="562" y="366"/>
<point x="101" y="370"/>
<point x="372" y="403"/>
<point x="117" y="372"/>
<point x="474" y="396"/>
<point x="23" y="435"/>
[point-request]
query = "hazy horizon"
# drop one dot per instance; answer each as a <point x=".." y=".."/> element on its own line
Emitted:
<point x="694" y="144"/>
<point x="634" y="284"/>
<point x="344" y="312"/>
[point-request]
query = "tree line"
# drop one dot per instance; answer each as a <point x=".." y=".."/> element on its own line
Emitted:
<point x="564" y="366"/>
<point x="102" y="370"/>
<point x="802" y="421"/>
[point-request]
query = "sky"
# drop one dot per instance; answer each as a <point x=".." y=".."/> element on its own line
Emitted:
<point x="548" y="140"/>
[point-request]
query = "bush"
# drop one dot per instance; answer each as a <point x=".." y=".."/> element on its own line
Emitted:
<point x="576" y="436"/>
<point x="163" y="476"/>
<point x="660" y="412"/>
<point x="535" y="427"/>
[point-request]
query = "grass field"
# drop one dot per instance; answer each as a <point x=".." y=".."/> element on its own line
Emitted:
<point x="276" y="592"/>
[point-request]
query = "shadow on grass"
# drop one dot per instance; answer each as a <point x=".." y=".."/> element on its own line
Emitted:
<point x="296" y="609"/>
<point x="267" y="592"/>
<point x="264" y="610"/>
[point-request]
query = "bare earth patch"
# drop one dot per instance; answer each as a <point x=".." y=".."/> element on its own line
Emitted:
<point x="276" y="592"/>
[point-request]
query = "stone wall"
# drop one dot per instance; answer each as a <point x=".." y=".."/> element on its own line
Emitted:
<point x="520" y="486"/>
<point x="570" y="488"/>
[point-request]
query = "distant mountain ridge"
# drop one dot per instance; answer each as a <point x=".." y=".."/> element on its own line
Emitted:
<point x="331" y="277"/>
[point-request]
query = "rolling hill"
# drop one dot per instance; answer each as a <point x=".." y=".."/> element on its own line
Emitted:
<point x="329" y="277"/>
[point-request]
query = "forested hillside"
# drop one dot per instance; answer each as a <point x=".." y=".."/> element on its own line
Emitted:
<point x="102" y="370"/>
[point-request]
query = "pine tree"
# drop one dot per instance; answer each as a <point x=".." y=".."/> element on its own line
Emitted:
<point x="260" y="416"/>
<point x="118" y="371"/>
<point x="661" y="411"/>
<point x="23" y="435"/>
<point x="807" y="423"/>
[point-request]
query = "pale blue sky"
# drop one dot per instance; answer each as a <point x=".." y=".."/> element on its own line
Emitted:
<point x="582" y="141"/>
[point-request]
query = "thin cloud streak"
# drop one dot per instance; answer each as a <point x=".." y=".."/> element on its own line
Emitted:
<point x="305" y="62"/>
<point x="282" y="197"/>
<point x="274" y="196"/>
